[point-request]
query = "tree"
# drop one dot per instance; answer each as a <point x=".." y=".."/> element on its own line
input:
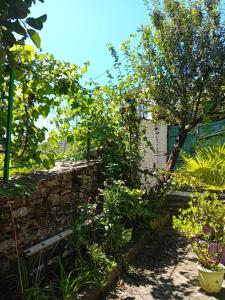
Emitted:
<point x="181" y="63"/>
<point x="15" y="26"/>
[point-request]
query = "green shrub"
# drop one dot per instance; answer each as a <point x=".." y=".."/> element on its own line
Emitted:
<point x="203" y="224"/>
<point x="120" y="200"/>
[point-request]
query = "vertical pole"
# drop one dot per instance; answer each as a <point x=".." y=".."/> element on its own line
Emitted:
<point x="9" y="126"/>
<point x="88" y="146"/>
<point x="88" y="133"/>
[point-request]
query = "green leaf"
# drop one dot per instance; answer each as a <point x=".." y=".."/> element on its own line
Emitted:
<point x="37" y="23"/>
<point x="46" y="164"/>
<point x="18" y="9"/>
<point x="34" y="37"/>
<point x="70" y="139"/>
<point x="16" y="26"/>
<point x="9" y="37"/>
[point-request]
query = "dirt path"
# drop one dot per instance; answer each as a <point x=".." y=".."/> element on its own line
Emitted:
<point x="167" y="273"/>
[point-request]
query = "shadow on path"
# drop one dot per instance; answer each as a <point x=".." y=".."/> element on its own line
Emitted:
<point x="164" y="270"/>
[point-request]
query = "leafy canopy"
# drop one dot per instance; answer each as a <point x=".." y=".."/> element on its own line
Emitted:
<point x="179" y="65"/>
<point x="180" y="60"/>
<point x="112" y="126"/>
<point x="42" y="86"/>
<point x="15" y="25"/>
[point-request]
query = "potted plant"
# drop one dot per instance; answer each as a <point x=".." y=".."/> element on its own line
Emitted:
<point x="204" y="171"/>
<point x="205" y="211"/>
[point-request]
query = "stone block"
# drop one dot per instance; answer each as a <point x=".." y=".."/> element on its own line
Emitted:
<point x="54" y="198"/>
<point x="20" y="212"/>
<point x="66" y="191"/>
<point x="66" y="198"/>
<point x="5" y="216"/>
<point x="6" y="245"/>
<point x="37" y="201"/>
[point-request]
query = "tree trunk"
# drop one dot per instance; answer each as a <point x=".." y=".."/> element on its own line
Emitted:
<point x="181" y="137"/>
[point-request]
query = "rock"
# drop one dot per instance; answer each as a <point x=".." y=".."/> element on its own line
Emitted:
<point x="66" y="191"/>
<point x="54" y="198"/>
<point x="37" y="201"/>
<point x="20" y="212"/>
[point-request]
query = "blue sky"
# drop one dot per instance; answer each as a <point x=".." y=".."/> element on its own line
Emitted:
<point x="78" y="30"/>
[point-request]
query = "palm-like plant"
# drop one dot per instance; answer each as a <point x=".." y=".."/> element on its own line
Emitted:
<point x="206" y="169"/>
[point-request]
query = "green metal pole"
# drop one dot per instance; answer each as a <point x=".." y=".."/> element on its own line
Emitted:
<point x="88" y="146"/>
<point x="9" y="126"/>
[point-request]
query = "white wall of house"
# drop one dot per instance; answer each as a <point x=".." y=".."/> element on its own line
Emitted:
<point x="157" y="135"/>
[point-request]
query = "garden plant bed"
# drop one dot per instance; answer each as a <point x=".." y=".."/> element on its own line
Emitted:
<point x="146" y="238"/>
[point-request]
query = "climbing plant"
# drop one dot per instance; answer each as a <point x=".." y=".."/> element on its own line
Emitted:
<point x="99" y="120"/>
<point x="101" y="116"/>
<point x="42" y="86"/>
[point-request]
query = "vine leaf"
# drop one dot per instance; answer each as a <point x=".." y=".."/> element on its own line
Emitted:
<point x="34" y="37"/>
<point x="37" y="23"/>
<point x="16" y="26"/>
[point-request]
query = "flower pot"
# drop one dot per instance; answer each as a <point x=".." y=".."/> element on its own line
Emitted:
<point x="210" y="281"/>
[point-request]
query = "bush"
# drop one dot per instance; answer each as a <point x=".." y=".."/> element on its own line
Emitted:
<point x="203" y="224"/>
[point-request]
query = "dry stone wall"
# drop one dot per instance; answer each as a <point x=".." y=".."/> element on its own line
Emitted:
<point x="49" y="209"/>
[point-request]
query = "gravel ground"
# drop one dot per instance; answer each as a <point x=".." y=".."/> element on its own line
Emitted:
<point x="166" y="271"/>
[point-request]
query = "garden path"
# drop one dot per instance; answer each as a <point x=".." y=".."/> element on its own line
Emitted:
<point x="164" y="271"/>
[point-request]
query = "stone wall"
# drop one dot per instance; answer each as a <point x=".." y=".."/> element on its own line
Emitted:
<point x="180" y="199"/>
<point x="49" y="209"/>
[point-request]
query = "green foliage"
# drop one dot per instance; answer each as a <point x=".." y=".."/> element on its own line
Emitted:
<point x="206" y="169"/>
<point x="18" y="189"/>
<point x="42" y="86"/>
<point x="120" y="200"/>
<point x="112" y="126"/>
<point x="47" y="88"/>
<point x="100" y="264"/>
<point x="82" y="234"/>
<point x="203" y="223"/>
<point x="122" y="208"/>
<point x="15" y="26"/>
<point x="70" y="283"/>
<point x="185" y="74"/>
<point x="34" y="287"/>
<point x="100" y="116"/>
<point x="101" y="234"/>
